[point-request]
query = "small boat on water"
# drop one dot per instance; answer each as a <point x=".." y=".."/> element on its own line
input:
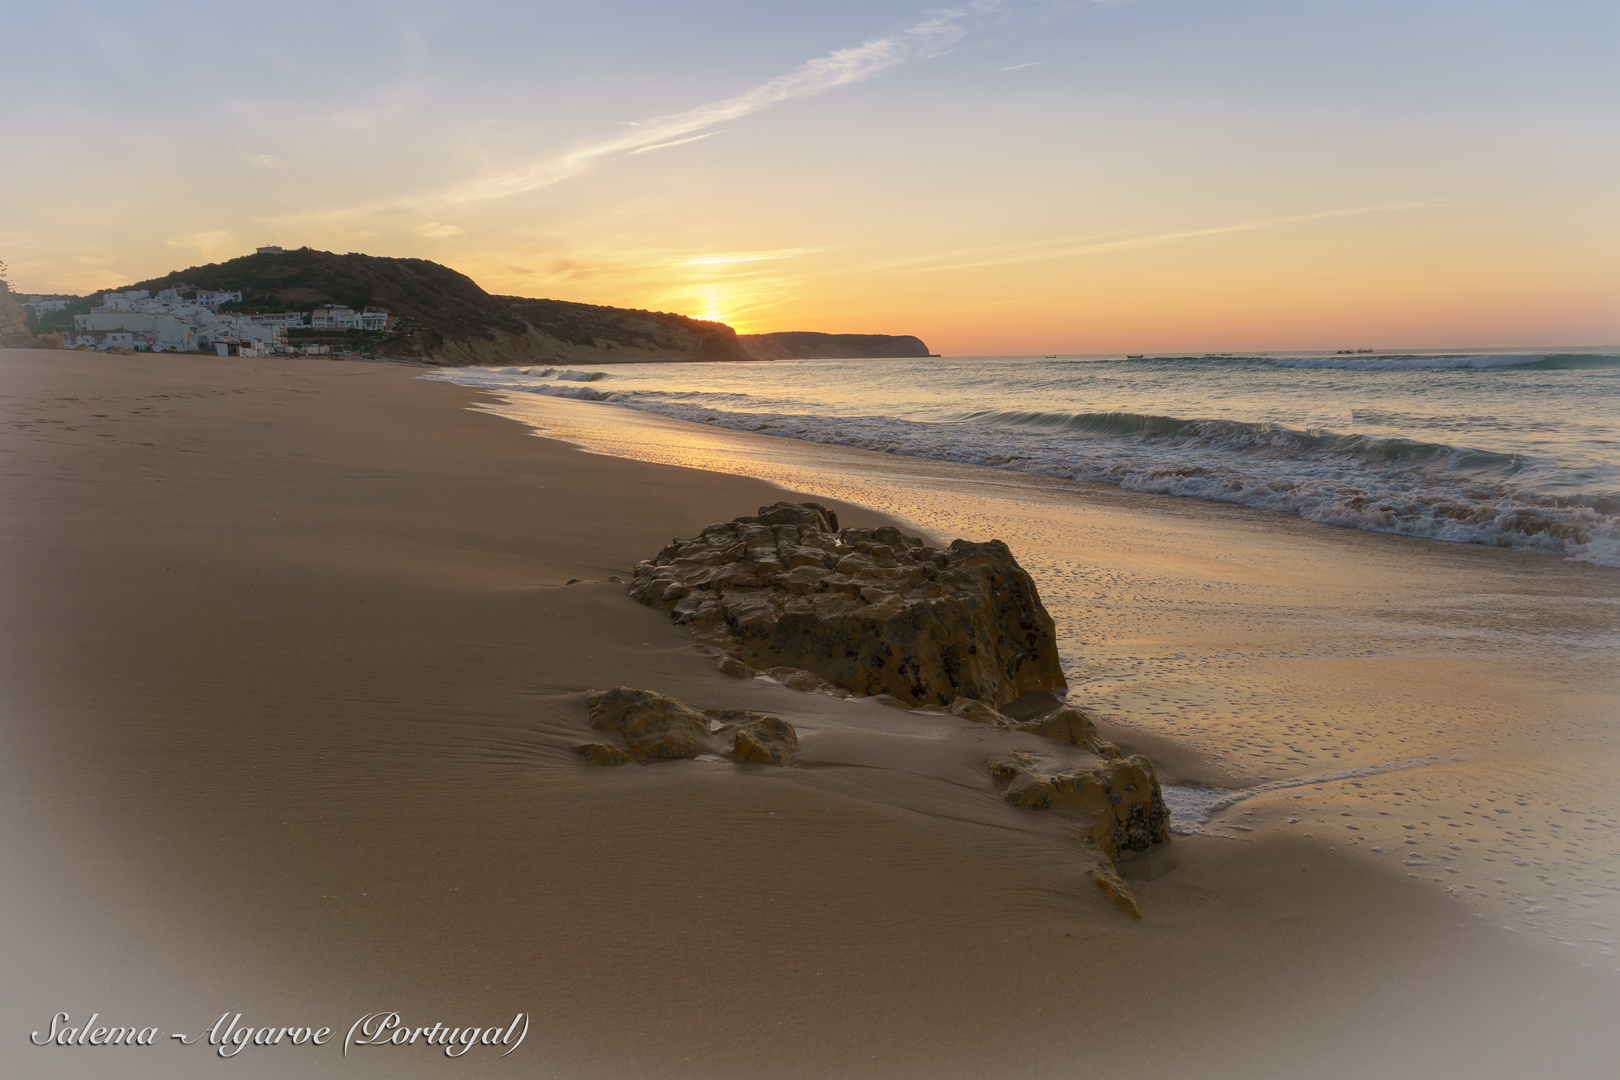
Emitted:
<point x="1133" y="356"/>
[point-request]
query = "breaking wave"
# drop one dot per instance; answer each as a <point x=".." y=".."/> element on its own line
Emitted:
<point x="1559" y="493"/>
<point x="1399" y="486"/>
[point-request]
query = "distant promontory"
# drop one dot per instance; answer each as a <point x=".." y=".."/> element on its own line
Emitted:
<point x="810" y="345"/>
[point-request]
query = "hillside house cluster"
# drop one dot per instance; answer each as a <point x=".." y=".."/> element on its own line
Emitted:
<point x="184" y="319"/>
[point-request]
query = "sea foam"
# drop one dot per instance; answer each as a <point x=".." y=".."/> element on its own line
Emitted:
<point x="1509" y="449"/>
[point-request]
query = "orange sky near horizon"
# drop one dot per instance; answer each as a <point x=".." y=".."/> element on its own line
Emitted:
<point x="1009" y="177"/>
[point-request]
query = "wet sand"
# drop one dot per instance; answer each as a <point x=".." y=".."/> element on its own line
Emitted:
<point x="290" y="676"/>
<point x="1459" y="705"/>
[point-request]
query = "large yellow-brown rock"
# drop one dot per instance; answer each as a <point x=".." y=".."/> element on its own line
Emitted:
<point x="870" y="610"/>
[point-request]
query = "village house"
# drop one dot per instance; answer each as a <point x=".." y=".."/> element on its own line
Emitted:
<point x="334" y="318"/>
<point x="112" y="329"/>
<point x="289" y="320"/>
<point x="210" y="299"/>
<point x="185" y="318"/>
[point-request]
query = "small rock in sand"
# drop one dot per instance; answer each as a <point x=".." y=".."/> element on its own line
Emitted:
<point x="769" y="740"/>
<point x="654" y="727"/>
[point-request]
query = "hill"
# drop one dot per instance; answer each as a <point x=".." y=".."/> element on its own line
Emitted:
<point x="810" y="345"/>
<point x="446" y="318"/>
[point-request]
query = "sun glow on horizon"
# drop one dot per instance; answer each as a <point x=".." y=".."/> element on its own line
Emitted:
<point x="884" y="170"/>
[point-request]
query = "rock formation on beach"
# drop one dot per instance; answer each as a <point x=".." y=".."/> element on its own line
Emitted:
<point x="787" y="595"/>
<point x="870" y="610"/>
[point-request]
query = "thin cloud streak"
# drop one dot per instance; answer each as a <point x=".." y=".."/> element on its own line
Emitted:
<point x="677" y="142"/>
<point x="929" y="38"/>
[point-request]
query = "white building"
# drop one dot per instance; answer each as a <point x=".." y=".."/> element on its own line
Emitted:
<point x="241" y="330"/>
<point x="233" y="347"/>
<point x="41" y="304"/>
<point x="211" y="299"/>
<point x="290" y="320"/>
<point x="99" y="340"/>
<point x="102" y="330"/>
<point x="344" y="318"/>
<point x="334" y="318"/>
<point x="269" y="249"/>
<point x="122" y="301"/>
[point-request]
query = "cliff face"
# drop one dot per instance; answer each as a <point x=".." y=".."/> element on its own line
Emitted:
<point x="808" y="345"/>
<point x="14" y="333"/>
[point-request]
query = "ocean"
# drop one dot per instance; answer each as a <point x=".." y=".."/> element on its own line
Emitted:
<point x="1511" y="449"/>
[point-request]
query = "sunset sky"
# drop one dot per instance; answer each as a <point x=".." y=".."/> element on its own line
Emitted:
<point x="1003" y="176"/>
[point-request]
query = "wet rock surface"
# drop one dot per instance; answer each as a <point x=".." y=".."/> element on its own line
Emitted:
<point x="871" y="611"/>
<point x="1119" y="798"/>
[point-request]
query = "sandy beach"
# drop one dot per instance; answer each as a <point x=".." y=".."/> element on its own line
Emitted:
<point x="291" y="673"/>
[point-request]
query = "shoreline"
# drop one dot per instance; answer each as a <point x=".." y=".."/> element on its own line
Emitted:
<point x="1311" y="675"/>
<point x="1330" y="446"/>
<point x="292" y="672"/>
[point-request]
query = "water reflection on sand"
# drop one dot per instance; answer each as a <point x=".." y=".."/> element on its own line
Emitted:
<point x="1448" y="712"/>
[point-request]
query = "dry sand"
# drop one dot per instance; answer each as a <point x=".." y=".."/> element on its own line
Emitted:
<point x="290" y="674"/>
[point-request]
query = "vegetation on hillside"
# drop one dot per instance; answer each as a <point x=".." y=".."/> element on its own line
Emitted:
<point x="436" y="307"/>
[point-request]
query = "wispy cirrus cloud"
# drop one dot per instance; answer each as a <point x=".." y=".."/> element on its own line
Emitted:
<point x="435" y="231"/>
<point x="927" y="38"/>
<point x="677" y="142"/>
